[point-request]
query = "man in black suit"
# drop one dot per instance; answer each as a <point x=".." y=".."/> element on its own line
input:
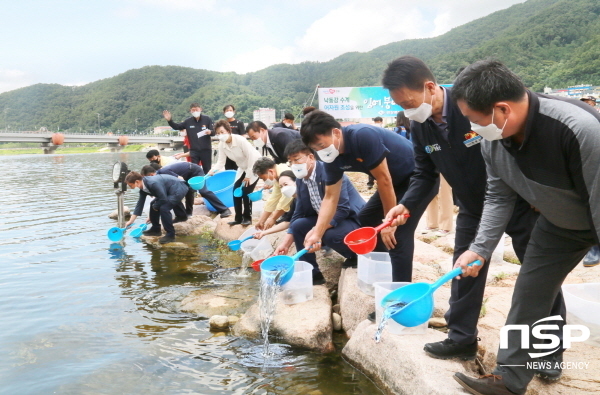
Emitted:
<point x="272" y="141"/>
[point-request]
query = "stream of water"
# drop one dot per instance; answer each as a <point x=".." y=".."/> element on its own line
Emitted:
<point x="80" y="317"/>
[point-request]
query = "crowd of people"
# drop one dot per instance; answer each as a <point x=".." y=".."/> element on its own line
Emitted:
<point x="512" y="160"/>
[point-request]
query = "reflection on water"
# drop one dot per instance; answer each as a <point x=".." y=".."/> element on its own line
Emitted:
<point x="83" y="316"/>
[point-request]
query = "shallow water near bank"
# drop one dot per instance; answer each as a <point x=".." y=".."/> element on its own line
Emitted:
<point x="80" y="316"/>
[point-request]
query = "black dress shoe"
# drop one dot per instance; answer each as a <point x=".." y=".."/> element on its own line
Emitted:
<point x="152" y="232"/>
<point x="554" y="371"/>
<point x="318" y="278"/>
<point x="489" y="384"/>
<point x="226" y="213"/>
<point x="370" y="185"/>
<point x="448" y="349"/>
<point x="166" y="239"/>
<point x="350" y="262"/>
<point x="180" y="219"/>
<point x="246" y="222"/>
<point x="372" y="317"/>
<point x="232" y="223"/>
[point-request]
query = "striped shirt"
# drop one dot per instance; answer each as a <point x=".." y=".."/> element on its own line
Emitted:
<point x="313" y="191"/>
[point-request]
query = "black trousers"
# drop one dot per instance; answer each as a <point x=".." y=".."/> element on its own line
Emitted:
<point x="230" y="165"/>
<point x="401" y="256"/>
<point x="552" y="253"/>
<point x="466" y="295"/>
<point x="163" y="214"/>
<point x="205" y="193"/>
<point x="244" y="201"/>
<point x="204" y="156"/>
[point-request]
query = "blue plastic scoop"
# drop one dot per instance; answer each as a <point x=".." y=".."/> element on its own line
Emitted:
<point x="418" y="298"/>
<point x="238" y="192"/>
<point x="237" y="244"/>
<point x="137" y="232"/>
<point x="197" y="183"/>
<point x="282" y="265"/>
<point x="255" y="196"/>
<point x="116" y="233"/>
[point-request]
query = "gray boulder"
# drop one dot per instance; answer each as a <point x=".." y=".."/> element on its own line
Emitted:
<point x="115" y="214"/>
<point x="307" y="325"/>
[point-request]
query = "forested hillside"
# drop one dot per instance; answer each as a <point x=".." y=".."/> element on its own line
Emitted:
<point x="547" y="42"/>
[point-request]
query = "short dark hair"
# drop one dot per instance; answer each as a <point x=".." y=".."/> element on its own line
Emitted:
<point x="288" y="173"/>
<point x="262" y="165"/>
<point x="406" y="72"/>
<point x="296" y="147"/>
<point x="289" y="116"/>
<point x="152" y="153"/>
<point x="255" y="126"/>
<point x="223" y="123"/>
<point x="195" y="105"/>
<point x="132" y="177"/>
<point x="317" y="122"/>
<point x="148" y="169"/>
<point x="227" y="106"/>
<point x="308" y="109"/>
<point x="377" y="119"/>
<point x="486" y="82"/>
<point x="155" y="165"/>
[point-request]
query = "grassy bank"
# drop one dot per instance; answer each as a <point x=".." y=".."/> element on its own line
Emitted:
<point x="67" y="150"/>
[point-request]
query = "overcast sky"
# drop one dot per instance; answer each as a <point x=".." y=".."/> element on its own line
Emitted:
<point x="74" y="42"/>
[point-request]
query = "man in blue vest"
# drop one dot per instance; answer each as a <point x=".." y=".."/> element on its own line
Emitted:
<point x="187" y="170"/>
<point x="168" y="191"/>
<point x="310" y="190"/>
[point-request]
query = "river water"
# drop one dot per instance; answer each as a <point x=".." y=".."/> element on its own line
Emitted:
<point x="78" y="317"/>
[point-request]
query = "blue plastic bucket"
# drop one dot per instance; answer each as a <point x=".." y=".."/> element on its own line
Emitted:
<point x="221" y="184"/>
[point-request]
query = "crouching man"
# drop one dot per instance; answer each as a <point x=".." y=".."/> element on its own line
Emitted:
<point x="168" y="192"/>
<point x="309" y="189"/>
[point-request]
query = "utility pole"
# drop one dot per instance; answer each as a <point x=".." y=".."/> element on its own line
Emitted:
<point x="6" y="118"/>
<point x="98" y="122"/>
<point x="136" y="124"/>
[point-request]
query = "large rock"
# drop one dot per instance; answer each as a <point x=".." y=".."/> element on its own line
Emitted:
<point x="307" y="325"/>
<point x="226" y="232"/>
<point x="398" y="364"/>
<point x="355" y="305"/>
<point x="202" y="210"/>
<point x="115" y="214"/>
<point x="210" y="302"/>
<point x="195" y="225"/>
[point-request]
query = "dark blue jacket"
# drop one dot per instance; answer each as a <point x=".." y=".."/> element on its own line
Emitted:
<point x="349" y="205"/>
<point x="280" y="138"/>
<point x="186" y="170"/>
<point x="165" y="189"/>
<point x="192" y="127"/>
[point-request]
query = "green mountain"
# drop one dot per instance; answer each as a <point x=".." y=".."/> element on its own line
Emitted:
<point x="547" y="42"/>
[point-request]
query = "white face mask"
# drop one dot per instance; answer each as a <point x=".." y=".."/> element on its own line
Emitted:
<point x="287" y="124"/>
<point x="490" y="132"/>
<point x="300" y="170"/>
<point x="269" y="183"/>
<point x="421" y="113"/>
<point x="229" y="114"/>
<point x="259" y="143"/>
<point x="224" y="137"/>
<point x="328" y="154"/>
<point x="289" y="190"/>
<point x="196" y="114"/>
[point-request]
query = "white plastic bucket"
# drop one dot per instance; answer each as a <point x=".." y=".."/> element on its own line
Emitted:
<point x="373" y="267"/>
<point x="300" y="287"/>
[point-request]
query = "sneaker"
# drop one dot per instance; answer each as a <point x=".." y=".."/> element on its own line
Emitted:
<point x="225" y="214"/>
<point x="180" y="219"/>
<point x="232" y="223"/>
<point x="490" y="384"/>
<point x="427" y="230"/>
<point x="166" y="239"/>
<point x="152" y="232"/>
<point x="448" y="349"/>
<point x="372" y="317"/>
<point x="555" y="371"/>
<point x="246" y="222"/>
<point x="442" y="233"/>
<point x="592" y="258"/>
<point x="350" y="262"/>
<point x="318" y="278"/>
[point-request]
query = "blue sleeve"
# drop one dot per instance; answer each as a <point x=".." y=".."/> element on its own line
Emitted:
<point x="139" y="207"/>
<point x="369" y="147"/>
<point x="333" y="173"/>
<point x="168" y="172"/>
<point x="298" y="209"/>
<point x="160" y="194"/>
<point x="343" y="208"/>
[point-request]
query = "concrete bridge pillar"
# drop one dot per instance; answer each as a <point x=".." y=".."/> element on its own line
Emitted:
<point x="48" y="148"/>
<point x="177" y="145"/>
<point x="163" y="145"/>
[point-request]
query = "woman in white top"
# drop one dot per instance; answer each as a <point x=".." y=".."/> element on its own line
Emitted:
<point x="239" y="150"/>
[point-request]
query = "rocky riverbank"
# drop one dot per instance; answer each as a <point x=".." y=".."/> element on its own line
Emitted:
<point x="397" y="364"/>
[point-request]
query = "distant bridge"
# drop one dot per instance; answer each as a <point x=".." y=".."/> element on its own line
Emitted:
<point x="112" y="141"/>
